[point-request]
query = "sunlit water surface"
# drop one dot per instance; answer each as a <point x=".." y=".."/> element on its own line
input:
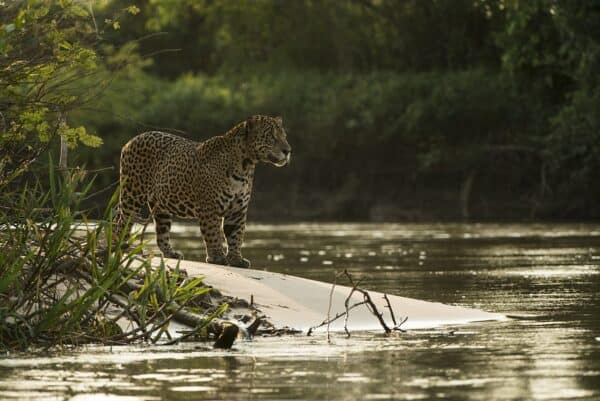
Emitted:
<point x="549" y="275"/>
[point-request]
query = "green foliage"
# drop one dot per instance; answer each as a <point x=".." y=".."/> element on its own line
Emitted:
<point x="531" y="41"/>
<point x="469" y="108"/>
<point x="439" y="124"/>
<point x="423" y="91"/>
<point x="349" y="36"/>
<point x="60" y="275"/>
<point x="45" y="48"/>
<point x="52" y="63"/>
<point x="553" y="48"/>
<point x="408" y="96"/>
<point x="574" y="146"/>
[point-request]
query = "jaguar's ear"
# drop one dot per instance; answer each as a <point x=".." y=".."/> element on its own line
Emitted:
<point x="250" y="124"/>
<point x="278" y="120"/>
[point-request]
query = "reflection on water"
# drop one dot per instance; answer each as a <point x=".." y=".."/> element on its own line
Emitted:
<point x="548" y="273"/>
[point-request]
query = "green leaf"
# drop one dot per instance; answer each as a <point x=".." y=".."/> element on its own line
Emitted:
<point x="90" y="140"/>
<point x="78" y="11"/>
<point x="20" y="20"/>
<point x="133" y="10"/>
<point x="66" y="45"/>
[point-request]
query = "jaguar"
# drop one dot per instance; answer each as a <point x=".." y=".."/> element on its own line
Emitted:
<point x="209" y="181"/>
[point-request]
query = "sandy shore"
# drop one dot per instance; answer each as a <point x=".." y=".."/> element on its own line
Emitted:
<point x="299" y="303"/>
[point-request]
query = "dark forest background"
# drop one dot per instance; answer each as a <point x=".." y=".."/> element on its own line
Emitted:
<point x="396" y="110"/>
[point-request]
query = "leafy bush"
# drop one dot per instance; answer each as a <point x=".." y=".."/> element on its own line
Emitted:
<point x="573" y="147"/>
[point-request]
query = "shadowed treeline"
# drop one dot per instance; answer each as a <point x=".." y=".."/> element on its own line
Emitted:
<point x="396" y="109"/>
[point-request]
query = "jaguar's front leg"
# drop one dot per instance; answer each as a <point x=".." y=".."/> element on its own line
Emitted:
<point x="214" y="239"/>
<point x="234" y="227"/>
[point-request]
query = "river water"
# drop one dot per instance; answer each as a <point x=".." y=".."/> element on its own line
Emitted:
<point x="546" y="275"/>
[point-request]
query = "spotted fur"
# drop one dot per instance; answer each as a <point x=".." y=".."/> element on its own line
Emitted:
<point x="210" y="181"/>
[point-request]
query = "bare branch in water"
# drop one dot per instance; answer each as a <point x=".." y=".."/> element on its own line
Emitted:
<point x="335" y="277"/>
<point x="389" y="306"/>
<point x="347" y="301"/>
<point x="367" y="300"/>
<point x="397" y="326"/>
<point x="370" y="304"/>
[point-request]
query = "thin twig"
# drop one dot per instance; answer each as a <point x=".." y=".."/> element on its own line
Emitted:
<point x="333" y="319"/>
<point x="399" y="325"/>
<point x="346" y="303"/>
<point x="162" y="51"/>
<point x="329" y="307"/>
<point x="94" y="20"/>
<point x="389" y="306"/>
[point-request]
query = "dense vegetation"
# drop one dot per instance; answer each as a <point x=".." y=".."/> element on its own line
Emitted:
<point x="62" y="279"/>
<point x="396" y="109"/>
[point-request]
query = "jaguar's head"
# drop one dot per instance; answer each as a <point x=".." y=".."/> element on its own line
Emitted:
<point x="267" y="140"/>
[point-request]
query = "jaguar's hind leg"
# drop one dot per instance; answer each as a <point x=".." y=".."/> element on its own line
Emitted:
<point x="162" y="222"/>
<point x="128" y="210"/>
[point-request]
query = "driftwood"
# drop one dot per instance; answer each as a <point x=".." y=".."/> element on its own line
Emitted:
<point x="367" y="300"/>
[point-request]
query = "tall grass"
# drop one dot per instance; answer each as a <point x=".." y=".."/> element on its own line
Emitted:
<point x="63" y="281"/>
